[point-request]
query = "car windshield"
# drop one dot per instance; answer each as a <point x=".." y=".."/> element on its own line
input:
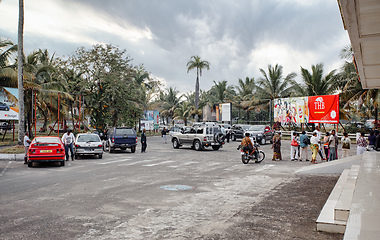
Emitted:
<point x="88" y="138"/>
<point x="256" y="128"/>
<point x="124" y="131"/>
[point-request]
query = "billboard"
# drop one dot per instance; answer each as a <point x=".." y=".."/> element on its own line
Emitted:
<point x="153" y="117"/>
<point x="314" y="109"/>
<point x="9" y="104"/>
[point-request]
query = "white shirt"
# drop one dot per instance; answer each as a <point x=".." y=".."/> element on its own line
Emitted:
<point x="26" y="139"/>
<point x="68" y="138"/>
<point x="314" y="140"/>
<point x="318" y="134"/>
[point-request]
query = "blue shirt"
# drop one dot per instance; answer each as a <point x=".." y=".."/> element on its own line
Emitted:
<point x="302" y="138"/>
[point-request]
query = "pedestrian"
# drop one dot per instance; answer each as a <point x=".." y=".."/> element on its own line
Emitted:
<point x="276" y="147"/>
<point x="26" y="146"/>
<point x="361" y="144"/>
<point x="314" y="145"/>
<point x="163" y="135"/>
<point x="332" y="146"/>
<point x="68" y="140"/>
<point x="372" y="140"/>
<point x="319" y="135"/>
<point x="346" y="145"/>
<point x="143" y="141"/>
<point x="294" y="147"/>
<point x="228" y="135"/>
<point x="304" y="144"/>
<point x="326" y="145"/>
<point x="336" y="145"/>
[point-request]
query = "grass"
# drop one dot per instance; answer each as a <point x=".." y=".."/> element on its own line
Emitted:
<point x="13" y="149"/>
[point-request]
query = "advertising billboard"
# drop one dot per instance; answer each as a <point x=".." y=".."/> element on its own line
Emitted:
<point x="291" y="110"/>
<point x="9" y="104"/>
<point x="152" y="117"/>
<point x="324" y="109"/>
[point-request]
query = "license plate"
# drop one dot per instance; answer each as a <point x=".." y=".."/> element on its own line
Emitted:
<point x="46" y="151"/>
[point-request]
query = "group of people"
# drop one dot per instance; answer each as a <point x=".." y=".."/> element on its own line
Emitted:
<point x="326" y="148"/>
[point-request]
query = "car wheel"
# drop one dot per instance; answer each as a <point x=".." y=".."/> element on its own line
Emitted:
<point x="263" y="141"/>
<point x="7" y="109"/>
<point x="215" y="147"/>
<point x="197" y="145"/>
<point x="233" y="137"/>
<point x="30" y="164"/>
<point x="76" y="156"/>
<point x="62" y="163"/>
<point x="100" y="156"/>
<point x="133" y="149"/>
<point x="175" y="143"/>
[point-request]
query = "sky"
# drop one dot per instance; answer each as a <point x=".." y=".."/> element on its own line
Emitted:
<point x="237" y="38"/>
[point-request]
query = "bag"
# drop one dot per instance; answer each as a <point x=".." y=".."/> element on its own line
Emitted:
<point x="294" y="143"/>
<point x="346" y="145"/>
<point x="306" y="140"/>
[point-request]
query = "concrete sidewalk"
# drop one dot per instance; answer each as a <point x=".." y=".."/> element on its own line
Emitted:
<point x="12" y="157"/>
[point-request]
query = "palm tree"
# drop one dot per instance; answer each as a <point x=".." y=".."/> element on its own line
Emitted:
<point x="196" y="62"/>
<point x="183" y="112"/>
<point x="222" y="91"/>
<point x="273" y="85"/>
<point x="21" y="115"/>
<point x="170" y="102"/>
<point x="316" y="83"/>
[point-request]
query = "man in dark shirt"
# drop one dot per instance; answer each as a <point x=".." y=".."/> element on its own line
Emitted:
<point x="143" y="141"/>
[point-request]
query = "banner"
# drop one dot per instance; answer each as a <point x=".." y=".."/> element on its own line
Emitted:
<point x="324" y="109"/>
<point x="291" y="110"/>
<point x="225" y="111"/>
<point x="9" y="104"/>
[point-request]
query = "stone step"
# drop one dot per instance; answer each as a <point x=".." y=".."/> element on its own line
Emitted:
<point x="326" y="221"/>
<point x="364" y="219"/>
<point x="343" y="205"/>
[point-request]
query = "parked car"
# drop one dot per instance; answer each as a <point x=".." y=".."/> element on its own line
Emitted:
<point x="88" y="144"/>
<point x="238" y="131"/>
<point x="4" y="106"/>
<point x="262" y="133"/>
<point x="122" y="138"/>
<point x="199" y="138"/>
<point x="6" y="126"/>
<point x="46" y="149"/>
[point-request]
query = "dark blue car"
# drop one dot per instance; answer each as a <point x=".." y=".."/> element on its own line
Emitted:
<point x="4" y="106"/>
<point x="121" y="138"/>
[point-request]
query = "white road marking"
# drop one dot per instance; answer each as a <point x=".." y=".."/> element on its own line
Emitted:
<point x="110" y="162"/>
<point x="9" y="163"/>
<point x="155" y="164"/>
<point x="265" y="167"/>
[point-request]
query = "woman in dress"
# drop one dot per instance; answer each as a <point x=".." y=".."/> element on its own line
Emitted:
<point x="314" y="145"/>
<point x="277" y="147"/>
<point x="362" y="144"/>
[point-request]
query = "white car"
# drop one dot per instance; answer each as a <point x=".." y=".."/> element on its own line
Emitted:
<point x="88" y="144"/>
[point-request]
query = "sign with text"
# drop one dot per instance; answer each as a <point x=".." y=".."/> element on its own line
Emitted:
<point x="324" y="109"/>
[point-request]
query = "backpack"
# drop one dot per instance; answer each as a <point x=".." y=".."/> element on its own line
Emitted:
<point x="306" y="140"/>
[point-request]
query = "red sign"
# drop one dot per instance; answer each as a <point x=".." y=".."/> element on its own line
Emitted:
<point x="324" y="109"/>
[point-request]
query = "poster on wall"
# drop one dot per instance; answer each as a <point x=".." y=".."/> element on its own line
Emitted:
<point x="291" y="110"/>
<point x="153" y="117"/>
<point x="9" y="104"/>
<point x="225" y="111"/>
<point x="324" y="109"/>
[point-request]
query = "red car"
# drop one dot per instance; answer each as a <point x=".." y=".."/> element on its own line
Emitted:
<point x="46" y="149"/>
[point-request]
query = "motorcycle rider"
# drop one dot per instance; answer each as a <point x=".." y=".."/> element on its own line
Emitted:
<point x="248" y="145"/>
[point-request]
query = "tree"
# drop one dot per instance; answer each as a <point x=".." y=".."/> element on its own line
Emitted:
<point x="183" y="112"/>
<point x="169" y="101"/>
<point x="21" y="115"/>
<point x="245" y="99"/>
<point x="273" y="85"/>
<point x="222" y="91"/>
<point x="196" y="62"/>
<point x="316" y="83"/>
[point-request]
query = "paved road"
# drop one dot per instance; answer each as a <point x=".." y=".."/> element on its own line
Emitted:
<point x="164" y="194"/>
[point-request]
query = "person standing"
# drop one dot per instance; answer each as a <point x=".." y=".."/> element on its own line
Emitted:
<point x="326" y="145"/>
<point x="304" y="144"/>
<point x="319" y="135"/>
<point x="143" y="141"/>
<point x="163" y="135"/>
<point x="294" y="147"/>
<point x="361" y="144"/>
<point x="314" y="145"/>
<point x="346" y="145"/>
<point x="26" y="146"/>
<point x="276" y="147"/>
<point x="228" y="135"/>
<point x="68" y="140"/>
<point x="372" y="140"/>
<point x="332" y="146"/>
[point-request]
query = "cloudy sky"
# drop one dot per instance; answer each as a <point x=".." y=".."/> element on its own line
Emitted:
<point x="236" y="37"/>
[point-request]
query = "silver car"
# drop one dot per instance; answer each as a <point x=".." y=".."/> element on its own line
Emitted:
<point x="88" y="144"/>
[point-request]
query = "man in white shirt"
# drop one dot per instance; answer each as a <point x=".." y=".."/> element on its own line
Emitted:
<point x="68" y="140"/>
<point x="319" y="139"/>
<point x="26" y="146"/>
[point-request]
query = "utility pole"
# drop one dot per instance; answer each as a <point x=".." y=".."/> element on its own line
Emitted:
<point x="20" y="74"/>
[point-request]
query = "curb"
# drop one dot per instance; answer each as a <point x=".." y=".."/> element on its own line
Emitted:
<point x="12" y="157"/>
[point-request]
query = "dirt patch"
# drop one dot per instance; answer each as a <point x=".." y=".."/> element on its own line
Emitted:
<point x="289" y="212"/>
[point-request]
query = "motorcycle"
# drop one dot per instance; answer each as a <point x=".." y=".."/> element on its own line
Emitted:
<point x="246" y="157"/>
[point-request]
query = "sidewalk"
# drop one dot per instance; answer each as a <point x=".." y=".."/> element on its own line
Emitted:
<point x="12" y="157"/>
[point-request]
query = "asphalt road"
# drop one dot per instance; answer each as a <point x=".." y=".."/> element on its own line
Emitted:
<point x="165" y="193"/>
